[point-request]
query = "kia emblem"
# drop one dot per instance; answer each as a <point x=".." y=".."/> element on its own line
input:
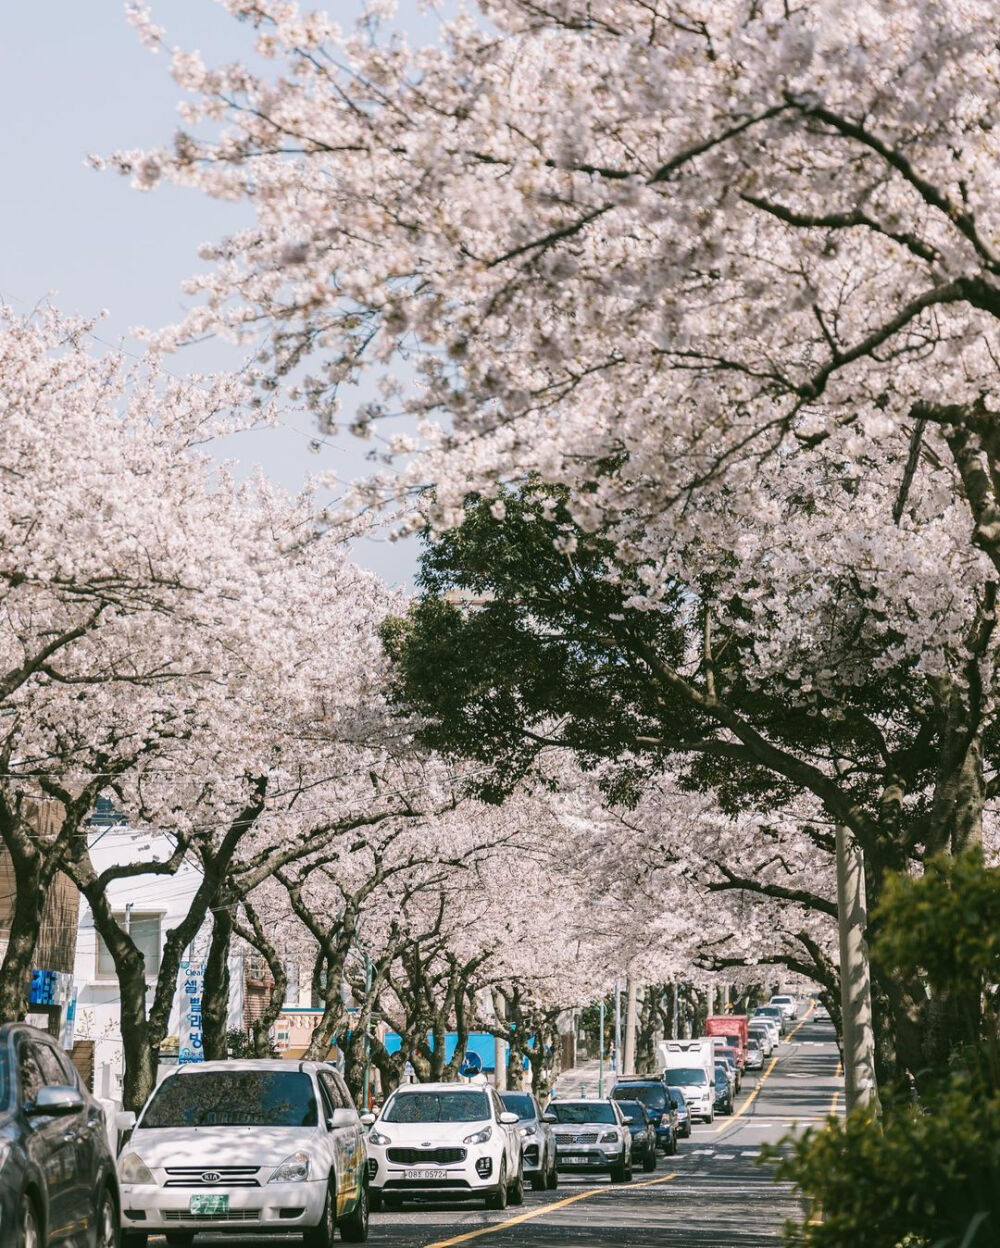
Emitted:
<point x="210" y="1176"/>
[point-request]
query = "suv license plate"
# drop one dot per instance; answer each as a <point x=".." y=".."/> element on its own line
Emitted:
<point x="573" y="1157"/>
<point x="209" y="1204"/>
<point x="418" y="1176"/>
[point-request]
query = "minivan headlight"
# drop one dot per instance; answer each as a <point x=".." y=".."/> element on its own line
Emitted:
<point x="609" y="1137"/>
<point x="132" y="1169"/>
<point x="376" y="1137"/>
<point x="480" y="1137"/>
<point x="294" y="1169"/>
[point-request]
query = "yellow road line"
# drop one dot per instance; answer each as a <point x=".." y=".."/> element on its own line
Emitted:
<point x="836" y="1096"/>
<point x="760" y="1082"/>
<point x="544" y="1209"/>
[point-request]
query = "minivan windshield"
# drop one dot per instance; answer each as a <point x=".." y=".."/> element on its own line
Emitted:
<point x="684" y="1075"/>
<point x="230" y="1098"/>
<point x="438" y="1107"/>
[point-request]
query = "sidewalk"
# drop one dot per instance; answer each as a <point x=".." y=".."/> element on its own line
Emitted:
<point x="583" y="1081"/>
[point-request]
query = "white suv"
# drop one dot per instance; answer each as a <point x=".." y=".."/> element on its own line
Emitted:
<point x="248" y="1146"/>
<point x="786" y="1004"/>
<point x="447" y="1140"/>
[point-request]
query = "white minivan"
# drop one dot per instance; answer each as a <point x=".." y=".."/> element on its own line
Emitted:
<point x="248" y="1146"/>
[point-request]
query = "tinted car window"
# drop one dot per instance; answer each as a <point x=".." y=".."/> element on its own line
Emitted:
<point x="333" y="1091"/>
<point x="677" y="1096"/>
<point x="633" y="1109"/>
<point x="438" y="1107"/>
<point x="246" y="1098"/>
<point x="30" y="1070"/>
<point x="582" y="1112"/>
<point x="518" y="1103"/>
<point x="4" y="1080"/>
<point x="651" y="1094"/>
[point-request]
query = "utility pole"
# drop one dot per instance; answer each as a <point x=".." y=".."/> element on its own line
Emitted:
<point x="618" y="1025"/>
<point x="860" y="1086"/>
<point x="600" y="1052"/>
<point x="628" y="1066"/>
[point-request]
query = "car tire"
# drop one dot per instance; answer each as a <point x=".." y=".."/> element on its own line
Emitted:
<point x="29" y="1227"/>
<point x="649" y="1161"/>
<point x="322" y="1236"/>
<point x="515" y="1196"/>
<point x="673" y="1143"/>
<point x="179" y="1239"/>
<point x="134" y="1239"/>
<point x="375" y="1199"/>
<point x="619" y="1171"/>
<point x="354" y="1227"/>
<point x="107" y="1222"/>
<point x="552" y="1178"/>
<point x="497" y="1199"/>
<point x="539" y="1181"/>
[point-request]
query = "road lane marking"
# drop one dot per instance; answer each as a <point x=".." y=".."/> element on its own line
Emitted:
<point x="496" y="1227"/>
<point x="761" y="1081"/>
<point x="836" y="1096"/>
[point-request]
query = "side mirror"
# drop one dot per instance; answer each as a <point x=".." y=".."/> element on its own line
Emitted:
<point x="508" y="1119"/>
<point x="341" y="1118"/>
<point x="629" y="1121"/>
<point x="124" y="1120"/>
<point x="547" y="1117"/>
<point x="367" y="1119"/>
<point x="55" y="1100"/>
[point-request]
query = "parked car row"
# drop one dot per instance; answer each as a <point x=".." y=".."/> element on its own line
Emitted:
<point x="276" y="1146"/>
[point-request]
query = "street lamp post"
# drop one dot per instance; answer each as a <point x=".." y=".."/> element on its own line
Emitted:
<point x="600" y="1050"/>
<point x="367" y="1085"/>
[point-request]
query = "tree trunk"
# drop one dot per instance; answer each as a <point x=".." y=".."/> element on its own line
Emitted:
<point x="215" y="1001"/>
<point x="25" y="924"/>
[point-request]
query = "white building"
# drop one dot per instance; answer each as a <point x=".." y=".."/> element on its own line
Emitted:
<point x="148" y="906"/>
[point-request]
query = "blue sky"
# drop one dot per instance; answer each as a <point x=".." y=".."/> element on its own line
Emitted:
<point x="74" y="80"/>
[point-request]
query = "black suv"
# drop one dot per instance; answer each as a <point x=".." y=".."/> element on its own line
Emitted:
<point x="655" y="1095"/>
<point x="57" y="1174"/>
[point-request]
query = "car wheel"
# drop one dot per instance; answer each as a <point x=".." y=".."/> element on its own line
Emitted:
<point x="354" y="1228"/>
<point x="649" y="1161"/>
<point x="134" y="1239"/>
<point x="107" y="1222"/>
<point x="29" y="1234"/>
<point x="180" y="1239"/>
<point x="374" y="1199"/>
<point x="673" y="1144"/>
<point x="539" y="1181"/>
<point x="498" y="1199"/>
<point x="619" y="1173"/>
<point x="552" y="1178"/>
<point x="321" y="1236"/>
<point x="516" y="1194"/>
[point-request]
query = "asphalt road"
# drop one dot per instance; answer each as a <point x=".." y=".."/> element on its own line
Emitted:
<point x="713" y="1194"/>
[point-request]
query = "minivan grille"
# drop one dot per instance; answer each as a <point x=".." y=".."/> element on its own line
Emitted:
<point x="231" y="1215"/>
<point x="229" y="1176"/>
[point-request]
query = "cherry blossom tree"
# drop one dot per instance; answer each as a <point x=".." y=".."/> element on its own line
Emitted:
<point x="112" y="572"/>
<point x="725" y="274"/>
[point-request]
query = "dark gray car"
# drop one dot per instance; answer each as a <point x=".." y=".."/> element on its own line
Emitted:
<point x="57" y="1174"/>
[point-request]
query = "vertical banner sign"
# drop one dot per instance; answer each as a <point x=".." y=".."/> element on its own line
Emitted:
<point x="190" y="987"/>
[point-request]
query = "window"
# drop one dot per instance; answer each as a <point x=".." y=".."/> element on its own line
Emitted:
<point x="145" y="932"/>
<point x="333" y="1091"/>
<point x="244" y="1098"/>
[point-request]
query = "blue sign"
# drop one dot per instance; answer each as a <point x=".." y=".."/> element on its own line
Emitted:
<point x="471" y="1065"/>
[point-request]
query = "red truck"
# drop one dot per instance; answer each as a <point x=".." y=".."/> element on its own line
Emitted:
<point x="734" y="1027"/>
